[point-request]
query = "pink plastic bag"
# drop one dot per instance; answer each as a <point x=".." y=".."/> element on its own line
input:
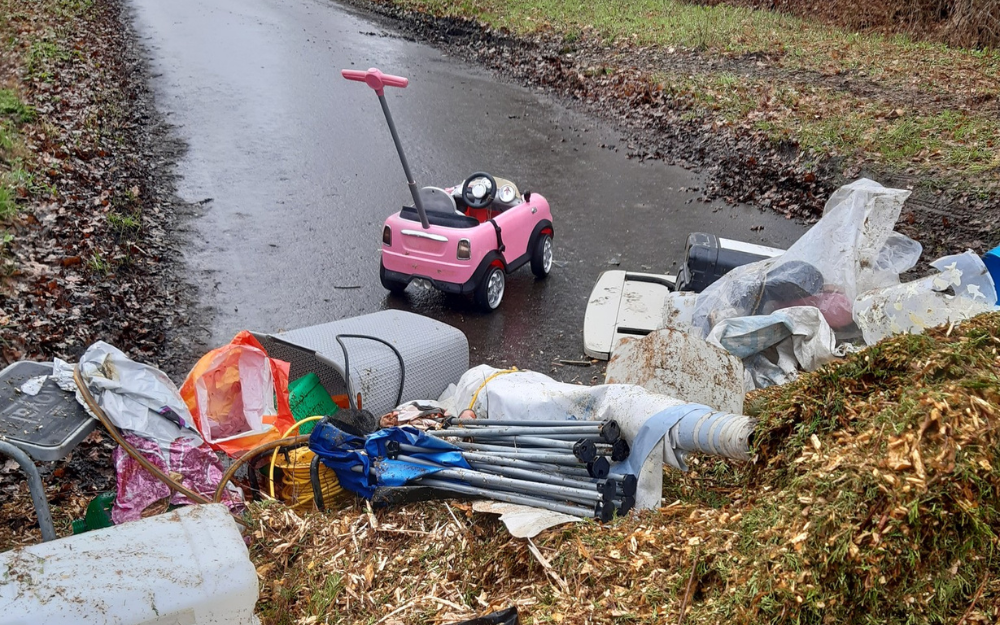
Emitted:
<point x="194" y="465"/>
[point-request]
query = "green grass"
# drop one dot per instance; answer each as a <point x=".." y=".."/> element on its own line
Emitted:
<point x="98" y="264"/>
<point x="8" y="207"/>
<point x="123" y="223"/>
<point x="74" y="8"/>
<point x="823" y="121"/>
<point x="7" y="263"/>
<point x="12" y="108"/>
<point x="324" y="598"/>
<point x="42" y="54"/>
<point x="721" y="28"/>
<point x="21" y="177"/>
<point x="13" y="113"/>
<point x="829" y="122"/>
<point x="6" y="138"/>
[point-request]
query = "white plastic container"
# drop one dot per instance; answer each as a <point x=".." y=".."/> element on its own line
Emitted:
<point x="186" y="567"/>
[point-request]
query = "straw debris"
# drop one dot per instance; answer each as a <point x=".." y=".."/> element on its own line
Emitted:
<point x="874" y="498"/>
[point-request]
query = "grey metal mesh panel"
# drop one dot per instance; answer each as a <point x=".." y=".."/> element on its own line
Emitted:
<point x="435" y="355"/>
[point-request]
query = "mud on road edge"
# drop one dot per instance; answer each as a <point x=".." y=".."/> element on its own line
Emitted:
<point x="140" y="300"/>
<point x="617" y="84"/>
<point x="96" y="251"/>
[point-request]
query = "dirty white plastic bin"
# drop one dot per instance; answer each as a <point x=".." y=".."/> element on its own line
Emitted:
<point x="186" y="567"/>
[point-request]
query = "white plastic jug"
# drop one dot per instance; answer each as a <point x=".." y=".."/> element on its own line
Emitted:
<point x="186" y="567"/>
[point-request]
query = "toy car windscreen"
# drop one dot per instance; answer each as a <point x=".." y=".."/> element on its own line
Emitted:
<point x="436" y="200"/>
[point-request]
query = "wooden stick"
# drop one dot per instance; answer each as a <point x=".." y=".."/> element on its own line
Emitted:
<point x="974" y="600"/>
<point x="687" y="592"/>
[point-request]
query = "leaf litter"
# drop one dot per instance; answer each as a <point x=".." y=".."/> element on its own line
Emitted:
<point x="89" y="251"/>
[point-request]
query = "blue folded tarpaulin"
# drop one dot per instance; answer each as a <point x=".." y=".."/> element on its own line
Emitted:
<point x="361" y="464"/>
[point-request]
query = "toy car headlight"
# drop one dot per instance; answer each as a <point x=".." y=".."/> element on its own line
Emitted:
<point x="386" y="235"/>
<point x="464" y="249"/>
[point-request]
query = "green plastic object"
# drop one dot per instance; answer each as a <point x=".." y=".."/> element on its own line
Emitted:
<point x="309" y="398"/>
<point x="98" y="514"/>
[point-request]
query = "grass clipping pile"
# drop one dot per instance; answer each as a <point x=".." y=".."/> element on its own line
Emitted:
<point x="874" y="498"/>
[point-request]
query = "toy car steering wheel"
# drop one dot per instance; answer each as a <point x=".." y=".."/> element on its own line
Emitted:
<point x="479" y="190"/>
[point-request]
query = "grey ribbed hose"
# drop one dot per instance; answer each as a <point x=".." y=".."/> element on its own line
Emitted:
<point x="716" y="433"/>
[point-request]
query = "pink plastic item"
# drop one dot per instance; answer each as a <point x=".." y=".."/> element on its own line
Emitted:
<point x="375" y="79"/>
<point x="465" y="239"/>
<point x="197" y="466"/>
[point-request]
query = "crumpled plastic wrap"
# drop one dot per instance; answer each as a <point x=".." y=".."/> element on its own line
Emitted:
<point x="134" y="396"/>
<point x="962" y="289"/>
<point x="850" y="250"/>
<point x="146" y="406"/>
<point x="774" y="347"/>
<point x="193" y="463"/>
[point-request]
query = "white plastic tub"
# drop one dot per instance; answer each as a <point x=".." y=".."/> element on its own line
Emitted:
<point x="187" y="567"/>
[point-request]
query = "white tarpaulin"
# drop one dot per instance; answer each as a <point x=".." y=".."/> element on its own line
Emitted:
<point x="962" y="290"/>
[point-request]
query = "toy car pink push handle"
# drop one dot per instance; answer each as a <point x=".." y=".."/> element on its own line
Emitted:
<point x="379" y="81"/>
<point x="375" y="79"/>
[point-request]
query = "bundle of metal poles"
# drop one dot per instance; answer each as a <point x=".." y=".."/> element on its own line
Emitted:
<point x="561" y="466"/>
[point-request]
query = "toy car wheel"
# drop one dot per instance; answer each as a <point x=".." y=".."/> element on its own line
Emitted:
<point x="489" y="293"/>
<point x="389" y="284"/>
<point x="541" y="257"/>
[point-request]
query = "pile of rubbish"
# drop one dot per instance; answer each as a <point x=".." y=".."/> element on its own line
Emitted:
<point x="835" y="290"/>
<point x="883" y="451"/>
<point x="875" y="497"/>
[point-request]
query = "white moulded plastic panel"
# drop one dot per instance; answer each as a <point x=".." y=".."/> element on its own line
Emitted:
<point x="186" y="567"/>
<point x="623" y="303"/>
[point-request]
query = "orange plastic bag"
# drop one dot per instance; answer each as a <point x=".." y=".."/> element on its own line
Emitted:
<point x="238" y="396"/>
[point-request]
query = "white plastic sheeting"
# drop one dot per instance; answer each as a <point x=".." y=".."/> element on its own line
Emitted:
<point x="850" y="250"/>
<point x="962" y="289"/>
<point x="800" y="338"/>
<point x="134" y="396"/>
<point x="786" y="314"/>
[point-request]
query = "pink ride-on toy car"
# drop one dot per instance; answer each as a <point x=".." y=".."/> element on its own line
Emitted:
<point x="462" y="239"/>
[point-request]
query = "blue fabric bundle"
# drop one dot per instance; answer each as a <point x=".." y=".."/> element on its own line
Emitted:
<point x="342" y="452"/>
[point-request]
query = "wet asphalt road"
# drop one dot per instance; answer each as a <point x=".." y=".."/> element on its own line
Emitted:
<point x="301" y="173"/>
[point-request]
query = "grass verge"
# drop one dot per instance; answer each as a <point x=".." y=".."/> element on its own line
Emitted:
<point x="887" y="101"/>
<point x="828" y="122"/>
<point x="14" y="113"/>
